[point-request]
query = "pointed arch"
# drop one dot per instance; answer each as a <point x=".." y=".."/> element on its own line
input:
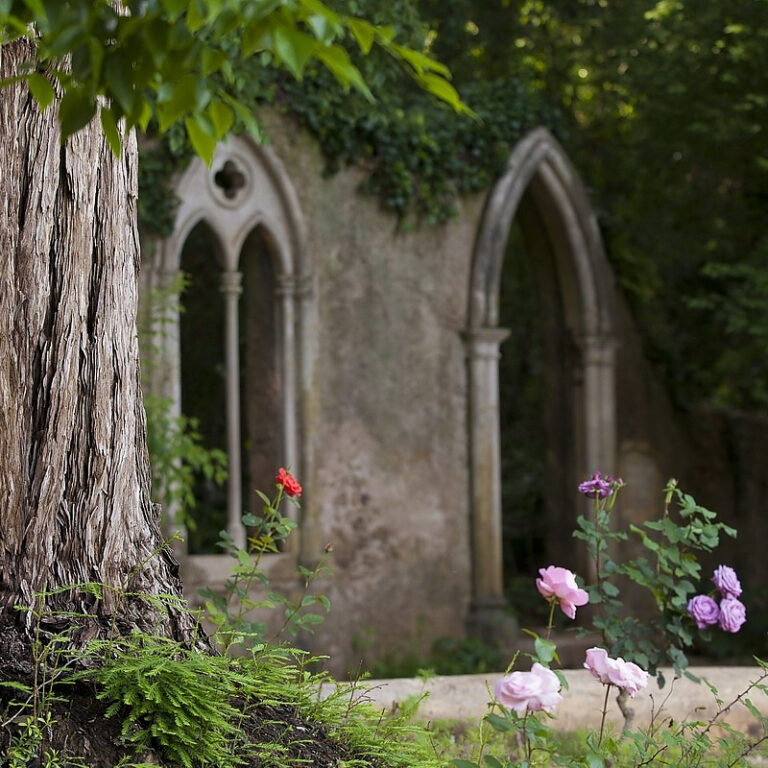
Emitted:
<point x="539" y="177"/>
<point x="246" y="190"/>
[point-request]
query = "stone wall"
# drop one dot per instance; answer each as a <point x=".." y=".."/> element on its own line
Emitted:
<point x="389" y="432"/>
<point x="382" y="399"/>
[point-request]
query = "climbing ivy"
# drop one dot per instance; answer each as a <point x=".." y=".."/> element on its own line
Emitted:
<point x="419" y="155"/>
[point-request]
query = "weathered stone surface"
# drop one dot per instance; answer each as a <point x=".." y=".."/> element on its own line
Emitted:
<point x="387" y="409"/>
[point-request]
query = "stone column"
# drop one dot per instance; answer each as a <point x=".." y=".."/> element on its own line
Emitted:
<point x="488" y="602"/>
<point x="598" y="354"/>
<point x="231" y="288"/>
<point x="311" y="543"/>
<point x="167" y="340"/>
<point x="285" y="292"/>
<point x="598" y="450"/>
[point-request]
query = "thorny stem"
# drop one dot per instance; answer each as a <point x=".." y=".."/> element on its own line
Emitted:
<point x="605" y="712"/>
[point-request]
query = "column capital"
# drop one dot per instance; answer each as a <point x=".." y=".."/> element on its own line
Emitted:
<point x="231" y="283"/>
<point x="484" y="342"/>
<point x="597" y="349"/>
<point x="285" y="285"/>
<point x="305" y="286"/>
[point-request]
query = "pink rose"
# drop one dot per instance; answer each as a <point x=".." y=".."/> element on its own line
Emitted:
<point x="622" y="674"/>
<point x="531" y="691"/>
<point x="732" y="614"/>
<point x="726" y="580"/>
<point x="560" y="583"/>
<point x="597" y="663"/>
<point x="703" y="610"/>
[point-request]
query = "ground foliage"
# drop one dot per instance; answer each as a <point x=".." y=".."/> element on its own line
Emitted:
<point x="147" y="700"/>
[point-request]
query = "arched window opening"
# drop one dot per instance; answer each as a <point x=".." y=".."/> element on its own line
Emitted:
<point x="540" y="191"/>
<point x="260" y="375"/>
<point x="536" y="414"/>
<point x="203" y="378"/>
<point x="523" y="441"/>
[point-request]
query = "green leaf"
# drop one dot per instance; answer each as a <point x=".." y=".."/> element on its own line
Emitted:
<point x="222" y="117"/>
<point x="363" y="32"/>
<point x="41" y="88"/>
<point x="174" y="8"/>
<point x="420" y="62"/>
<point x="499" y="723"/>
<point x="178" y="99"/>
<point x="294" y="48"/>
<point x="440" y="87"/>
<point x="202" y="142"/>
<point x="212" y="60"/>
<point x="117" y="79"/>
<point x="257" y="36"/>
<point x="248" y="119"/>
<point x="195" y="17"/>
<point x="75" y="112"/>
<point x="546" y="650"/>
<point x="109" y="126"/>
<point x="337" y="60"/>
<point x="458" y="763"/>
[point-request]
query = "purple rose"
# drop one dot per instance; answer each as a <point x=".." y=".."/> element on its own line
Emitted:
<point x="596" y="487"/>
<point x="732" y="614"/>
<point x="703" y="610"/>
<point x="726" y="580"/>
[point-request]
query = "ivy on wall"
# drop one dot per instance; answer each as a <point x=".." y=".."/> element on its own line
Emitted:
<point x="419" y="155"/>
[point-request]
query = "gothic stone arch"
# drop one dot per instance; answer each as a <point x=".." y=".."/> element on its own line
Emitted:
<point x="538" y="172"/>
<point x="247" y="190"/>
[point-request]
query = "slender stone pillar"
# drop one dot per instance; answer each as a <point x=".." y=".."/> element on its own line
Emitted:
<point x="167" y="338"/>
<point x="285" y="292"/>
<point x="598" y="355"/>
<point x="231" y="288"/>
<point x="488" y="602"/>
<point x="598" y="407"/>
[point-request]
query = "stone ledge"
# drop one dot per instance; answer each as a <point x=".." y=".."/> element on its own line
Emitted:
<point x="465" y="697"/>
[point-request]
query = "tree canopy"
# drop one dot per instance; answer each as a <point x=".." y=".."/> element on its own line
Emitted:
<point x="172" y="61"/>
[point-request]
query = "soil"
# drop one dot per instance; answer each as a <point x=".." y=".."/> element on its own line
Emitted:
<point x="82" y="735"/>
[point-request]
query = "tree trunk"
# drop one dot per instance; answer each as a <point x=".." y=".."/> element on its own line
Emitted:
<point x="74" y="473"/>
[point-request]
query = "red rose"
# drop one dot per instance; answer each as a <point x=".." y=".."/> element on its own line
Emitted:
<point x="288" y="482"/>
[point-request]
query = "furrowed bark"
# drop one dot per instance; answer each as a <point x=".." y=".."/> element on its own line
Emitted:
<point x="74" y="473"/>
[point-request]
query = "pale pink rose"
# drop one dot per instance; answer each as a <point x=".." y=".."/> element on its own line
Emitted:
<point x="627" y="675"/>
<point x="531" y="691"/>
<point x="560" y="583"/>
<point x="597" y="663"/>
<point x="622" y="674"/>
